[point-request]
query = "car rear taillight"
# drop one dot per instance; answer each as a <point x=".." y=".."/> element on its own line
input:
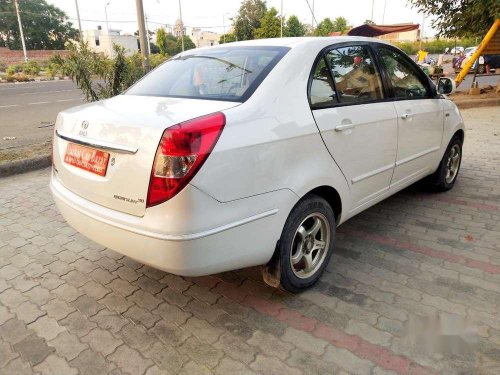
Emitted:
<point x="182" y="151"/>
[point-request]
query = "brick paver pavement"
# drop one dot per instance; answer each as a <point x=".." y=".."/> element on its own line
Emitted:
<point x="414" y="287"/>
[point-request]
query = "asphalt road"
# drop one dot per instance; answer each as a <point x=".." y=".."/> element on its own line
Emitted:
<point x="28" y="110"/>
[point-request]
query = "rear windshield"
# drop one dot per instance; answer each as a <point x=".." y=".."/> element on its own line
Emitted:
<point x="230" y="74"/>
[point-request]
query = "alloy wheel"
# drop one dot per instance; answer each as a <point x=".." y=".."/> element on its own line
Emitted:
<point x="310" y="245"/>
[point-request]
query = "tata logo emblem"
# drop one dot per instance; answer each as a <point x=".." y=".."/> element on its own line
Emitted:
<point x="83" y="131"/>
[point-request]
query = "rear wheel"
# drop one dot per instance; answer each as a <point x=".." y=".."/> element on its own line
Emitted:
<point x="306" y="244"/>
<point x="445" y="176"/>
<point x="481" y="69"/>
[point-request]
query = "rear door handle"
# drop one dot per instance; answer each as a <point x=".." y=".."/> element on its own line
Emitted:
<point x="343" y="127"/>
<point x="406" y="116"/>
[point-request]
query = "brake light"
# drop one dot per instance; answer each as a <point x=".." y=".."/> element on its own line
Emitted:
<point x="182" y="151"/>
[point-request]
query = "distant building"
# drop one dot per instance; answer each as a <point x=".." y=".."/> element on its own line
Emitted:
<point x="179" y="29"/>
<point x="202" y="38"/>
<point x="100" y="41"/>
<point x="402" y="36"/>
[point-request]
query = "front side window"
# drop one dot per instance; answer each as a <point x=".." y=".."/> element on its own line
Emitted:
<point x="405" y="79"/>
<point x="322" y="92"/>
<point x="227" y="73"/>
<point x="356" y="77"/>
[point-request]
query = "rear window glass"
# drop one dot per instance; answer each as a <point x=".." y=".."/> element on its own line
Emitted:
<point x="230" y="74"/>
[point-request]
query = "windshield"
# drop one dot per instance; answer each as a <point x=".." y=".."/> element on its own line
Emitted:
<point x="230" y="74"/>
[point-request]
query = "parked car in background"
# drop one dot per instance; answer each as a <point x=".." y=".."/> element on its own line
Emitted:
<point x="456" y="50"/>
<point x="252" y="153"/>
<point x="484" y="63"/>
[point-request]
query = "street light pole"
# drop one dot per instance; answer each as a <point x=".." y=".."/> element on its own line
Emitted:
<point x="383" y="15"/>
<point x="281" y="35"/>
<point x="142" y="35"/>
<point x="106" y="14"/>
<point x="312" y="19"/>
<point x="79" y="21"/>
<point x="21" y="30"/>
<point x="373" y="4"/>
<point x="182" y="24"/>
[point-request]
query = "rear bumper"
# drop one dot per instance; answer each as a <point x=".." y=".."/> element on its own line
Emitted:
<point x="248" y="241"/>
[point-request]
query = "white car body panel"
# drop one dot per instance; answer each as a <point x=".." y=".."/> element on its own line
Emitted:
<point x="372" y="137"/>
<point x="272" y="151"/>
<point x="420" y="130"/>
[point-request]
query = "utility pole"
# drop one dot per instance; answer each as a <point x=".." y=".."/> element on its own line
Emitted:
<point x="383" y="15"/>
<point x="79" y="21"/>
<point x="142" y="35"/>
<point x="21" y="30"/>
<point x="147" y="33"/>
<point x="312" y="19"/>
<point x="281" y="19"/>
<point x="182" y="24"/>
<point x="373" y="4"/>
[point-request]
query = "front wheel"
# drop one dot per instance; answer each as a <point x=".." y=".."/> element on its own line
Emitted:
<point x="306" y="243"/>
<point x="445" y="176"/>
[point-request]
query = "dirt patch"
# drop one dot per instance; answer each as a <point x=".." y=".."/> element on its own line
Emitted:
<point x="25" y="152"/>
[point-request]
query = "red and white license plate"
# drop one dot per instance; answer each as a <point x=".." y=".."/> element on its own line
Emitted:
<point x="86" y="158"/>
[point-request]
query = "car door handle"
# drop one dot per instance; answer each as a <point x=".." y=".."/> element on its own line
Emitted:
<point x="406" y="116"/>
<point x="343" y="127"/>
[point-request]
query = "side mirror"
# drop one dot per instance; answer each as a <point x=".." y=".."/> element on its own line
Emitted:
<point x="446" y="86"/>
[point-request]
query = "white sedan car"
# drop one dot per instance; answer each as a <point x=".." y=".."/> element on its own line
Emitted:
<point x="252" y="153"/>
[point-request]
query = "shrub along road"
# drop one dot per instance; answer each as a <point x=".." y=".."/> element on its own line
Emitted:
<point x="69" y="306"/>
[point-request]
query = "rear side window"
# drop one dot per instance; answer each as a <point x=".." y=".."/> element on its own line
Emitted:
<point x="356" y="77"/>
<point x="404" y="76"/>
<point x="322" y="87"/>
<point x="230" y="74"/>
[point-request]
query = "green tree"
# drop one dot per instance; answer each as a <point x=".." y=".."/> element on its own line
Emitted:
<point x="294" y="27"/>
<point x="227" y="38"/>
<point x="460" y="18"/>
<point x="161" y="40"/>
<point x="340" y="24"/>
<point x="270" y="26"/>
<point x="188" y="44"/>
<point x="324" y="28"/>
<point x="45" y="26"/>
<point x="248" y="18"/>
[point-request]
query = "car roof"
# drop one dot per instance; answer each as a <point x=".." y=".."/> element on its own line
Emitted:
<point x="295" y="42"/>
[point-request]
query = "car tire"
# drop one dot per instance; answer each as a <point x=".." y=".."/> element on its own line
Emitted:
<point x="445" y="176"/>
<point x="306" y="243"/>
<point x="481" y="69"/>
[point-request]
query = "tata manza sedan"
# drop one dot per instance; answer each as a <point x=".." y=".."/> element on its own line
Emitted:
<point x="252" y="153"/>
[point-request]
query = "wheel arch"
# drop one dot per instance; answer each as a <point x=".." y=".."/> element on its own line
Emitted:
<point x="331" y="195"/>
<point x="459" y="133"/>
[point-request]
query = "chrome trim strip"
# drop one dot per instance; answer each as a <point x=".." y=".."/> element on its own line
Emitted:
<point x="159" y="236"/>
<point x="416" y="156"/>
<point x="102" y="145"/>
<point x="372" y="173"/>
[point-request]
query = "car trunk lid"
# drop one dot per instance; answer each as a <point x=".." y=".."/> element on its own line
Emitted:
<point x="128" y="128"/>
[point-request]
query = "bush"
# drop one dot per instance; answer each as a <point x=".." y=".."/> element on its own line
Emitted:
<point x="13" y="69"/>
<point x="31" y="68"/>
<point x="113" y="75"/>
<point x="53" y="69"/>
<point x="156" y="59"/>
<point x="434" y="46"/>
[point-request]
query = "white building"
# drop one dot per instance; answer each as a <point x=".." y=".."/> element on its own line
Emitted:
<point x="202" y="38"/>
<point x="100" y="41"/>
